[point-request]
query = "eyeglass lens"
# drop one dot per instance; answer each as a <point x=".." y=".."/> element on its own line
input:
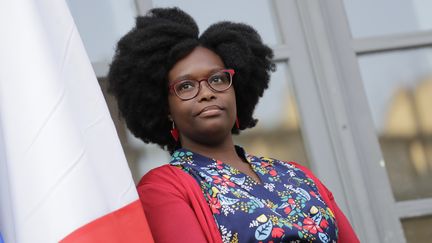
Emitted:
<point x="187" y="89"/>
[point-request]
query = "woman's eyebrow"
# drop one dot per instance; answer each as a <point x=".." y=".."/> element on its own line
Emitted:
<point x="188" y="76"/>
<point x="214" y="70"/>
<point x="183" y="77"/>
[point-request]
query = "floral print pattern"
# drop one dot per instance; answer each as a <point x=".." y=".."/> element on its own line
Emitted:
<point x="286" y="207"/>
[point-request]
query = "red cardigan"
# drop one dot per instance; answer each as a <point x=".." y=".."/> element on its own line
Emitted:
<point x="177" y="211"/>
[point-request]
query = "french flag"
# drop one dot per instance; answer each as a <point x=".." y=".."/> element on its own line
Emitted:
<point x="63" y="174"/>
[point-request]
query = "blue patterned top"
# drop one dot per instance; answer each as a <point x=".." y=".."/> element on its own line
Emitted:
<point x="286" y="207"/>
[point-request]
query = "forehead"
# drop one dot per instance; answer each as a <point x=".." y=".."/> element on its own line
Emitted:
<point x="196" y="64"/>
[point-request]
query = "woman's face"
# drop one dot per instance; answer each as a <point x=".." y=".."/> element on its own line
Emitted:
<point x="209" y="117"/>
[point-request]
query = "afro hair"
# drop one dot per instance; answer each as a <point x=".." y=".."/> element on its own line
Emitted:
<point x="138" y="75"/>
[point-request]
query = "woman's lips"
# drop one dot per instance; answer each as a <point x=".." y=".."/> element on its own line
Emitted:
<point x="209" y="111"/>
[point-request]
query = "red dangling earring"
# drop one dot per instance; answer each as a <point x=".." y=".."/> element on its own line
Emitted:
<point x="174" y="132"/>
<point x="237" y="123"/>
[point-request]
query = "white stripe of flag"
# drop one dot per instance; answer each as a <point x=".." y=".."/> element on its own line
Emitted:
<point x="61" y="163"/>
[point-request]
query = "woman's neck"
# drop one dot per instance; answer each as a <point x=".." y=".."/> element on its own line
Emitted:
<point x="224" y="151"/>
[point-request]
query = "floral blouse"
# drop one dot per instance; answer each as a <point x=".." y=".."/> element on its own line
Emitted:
<point x="286" y="207"/>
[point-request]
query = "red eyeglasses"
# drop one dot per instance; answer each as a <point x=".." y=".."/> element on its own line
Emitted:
<point x="187" y="89"/>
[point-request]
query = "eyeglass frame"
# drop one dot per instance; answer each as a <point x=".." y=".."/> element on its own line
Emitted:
<point x="231" y="74"/>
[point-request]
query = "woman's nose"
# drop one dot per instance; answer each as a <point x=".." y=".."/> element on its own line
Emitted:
<point x="205" y="92"/>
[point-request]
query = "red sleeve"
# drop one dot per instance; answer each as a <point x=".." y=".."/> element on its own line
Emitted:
<point x="346" y="233"/>
<point x="170" y="216"/>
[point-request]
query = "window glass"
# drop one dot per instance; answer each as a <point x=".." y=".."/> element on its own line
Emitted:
<point x="258" y="14"/>
<point x="398" y="85"/>
<point x="101" y="23"/>
<point x="369" y="18"/>
<point x="418" y="229"/>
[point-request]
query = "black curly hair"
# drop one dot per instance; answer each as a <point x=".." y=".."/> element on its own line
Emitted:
<point x="138" y="75"/>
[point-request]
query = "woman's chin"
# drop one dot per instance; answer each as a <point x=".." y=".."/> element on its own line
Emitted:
<point x="214" y="134"/>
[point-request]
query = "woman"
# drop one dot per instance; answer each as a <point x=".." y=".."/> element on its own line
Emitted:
<point x="189" y="94"/>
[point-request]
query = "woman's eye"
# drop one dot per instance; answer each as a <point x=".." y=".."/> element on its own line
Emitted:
<point x="218" y="78"/>
<point x="185" y="85"/>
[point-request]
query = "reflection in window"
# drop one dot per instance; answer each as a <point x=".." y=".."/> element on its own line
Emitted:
<point x="399" y="87"/>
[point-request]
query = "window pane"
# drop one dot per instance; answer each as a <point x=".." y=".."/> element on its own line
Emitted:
<point x="101" y="24"/>
<point x="374" y="18"/>
<point x="258" y="14"/>
<point x="418" y="229"/>
<point x="277" y="134"/>
<point x="399" y="86"/>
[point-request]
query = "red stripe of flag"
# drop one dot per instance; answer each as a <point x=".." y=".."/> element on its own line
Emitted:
<point x="127" y="224"/>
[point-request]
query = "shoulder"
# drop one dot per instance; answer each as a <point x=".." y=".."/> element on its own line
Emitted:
<point x="167" y="181"/>
<point x="159" y="175"/>
<point x="323" y="190"/>
<point x="294" y="164"/>
<point x="163" y="175"/>
<point x="288" y="164"/>
<point x="164" y="180"/>
<point x="303" y="168"/>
